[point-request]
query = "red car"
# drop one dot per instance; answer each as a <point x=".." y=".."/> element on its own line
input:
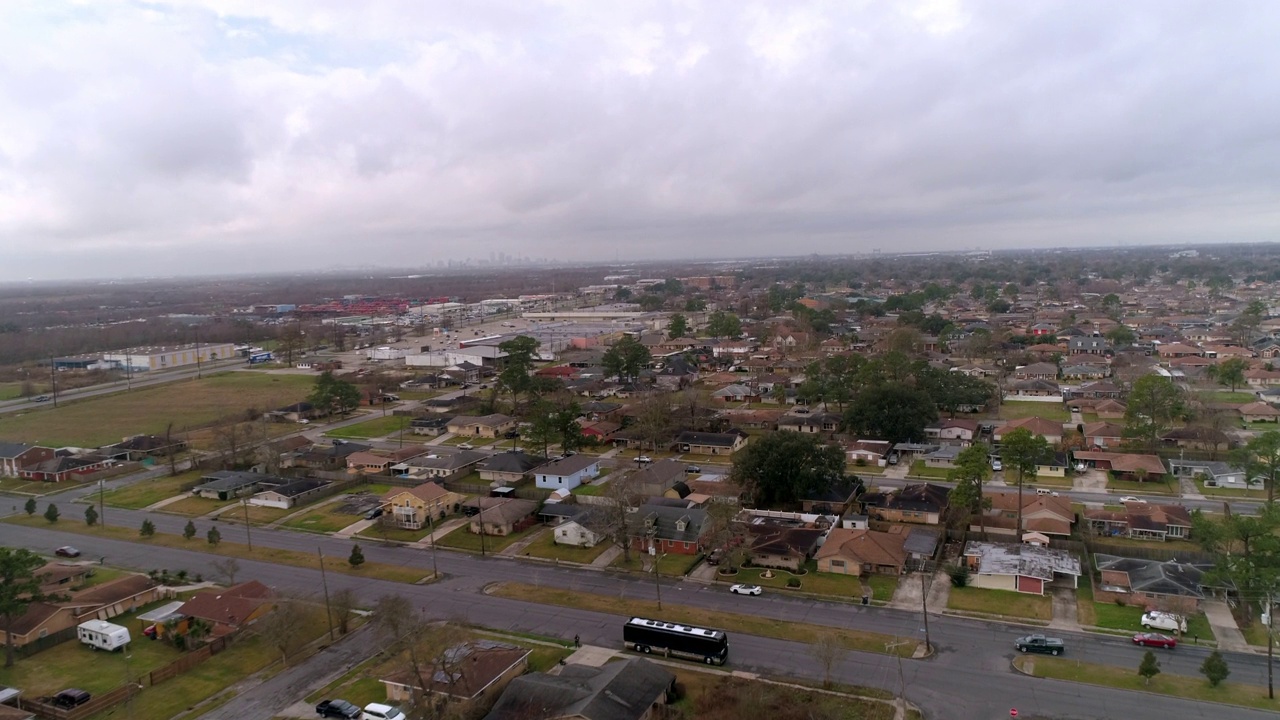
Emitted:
<point x="1155" y="640"/>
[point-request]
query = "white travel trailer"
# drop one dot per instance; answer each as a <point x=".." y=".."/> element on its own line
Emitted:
<point x="102" y="635"/>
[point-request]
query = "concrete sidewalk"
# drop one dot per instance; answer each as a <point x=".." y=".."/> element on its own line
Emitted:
<point x="441" y="530"/>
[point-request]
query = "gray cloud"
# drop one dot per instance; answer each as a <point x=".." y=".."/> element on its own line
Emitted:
<point x="234" y="135"/>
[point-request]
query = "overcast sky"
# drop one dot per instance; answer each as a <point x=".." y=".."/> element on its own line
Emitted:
<point x="263" y="135"/>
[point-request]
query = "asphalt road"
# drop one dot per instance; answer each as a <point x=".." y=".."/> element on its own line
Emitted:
<point x="140" y="380"/>
<point x="969" y="678"/>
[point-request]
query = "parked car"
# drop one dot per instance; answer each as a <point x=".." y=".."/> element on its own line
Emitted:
<point x="644" y="459"/>
<point x="71" y="697"/>
<point x="338" y="709"/>
<point x="715" y="557"/>
<point x="745" y="589"/>
<point x="41" y="398"/>
<point x="1155" y="640"/>
<point x="511" y="434"/>
<point x="893" y="458"/>
<point x="466" y="446"/>
<point x="692" y="469"/>
<point x="1164" y="621"/>
<point x="1132" y="499"/>
<point x="373" y="514"/>
<point x="996" y="465"/>
<point x="379" y="711"/>
<point x="67" y="551"/>
<point x="1040" y="644"/>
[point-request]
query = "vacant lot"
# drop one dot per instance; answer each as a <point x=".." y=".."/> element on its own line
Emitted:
<point x="1021" y="409"/>
<point x="377" y="427"/>
<point x="716" y="697"/>
<point x="1001" y="602"/>
<point x="464" y="539"/>
<point x="546" y="547"/>
<point x="196" y="506"/>
<point x="148" y="492"/>
<point x="188" y="404"/>
<point x="1196" y="688"/>
<point x="326" y="519"/>
<point x="1226" y="396"/>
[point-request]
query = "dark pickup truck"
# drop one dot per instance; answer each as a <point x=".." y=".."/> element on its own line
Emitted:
<point x="338" y="709"/>
<point x="1040" y="644"/>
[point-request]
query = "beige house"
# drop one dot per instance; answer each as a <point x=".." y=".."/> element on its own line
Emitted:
<point x="416" y="507"/>
<point x="485" y="426"/>
<point x="863" y="552"/>
<point x="466" y="671"/>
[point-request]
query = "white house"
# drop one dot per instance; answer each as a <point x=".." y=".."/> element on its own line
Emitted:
<point x="571" y="532"/>
<point x="568" y="473"/>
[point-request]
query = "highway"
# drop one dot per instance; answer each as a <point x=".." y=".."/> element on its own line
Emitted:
<point x="139" y="380"/>
<point x="971" y="653"/>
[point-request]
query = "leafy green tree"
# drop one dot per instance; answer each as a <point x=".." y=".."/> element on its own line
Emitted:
<point x="999" y="306"/>
<point x="1121" y="337"/>
<point x="1215" y="669"/>
<point x="213" y="536"/>
<point x="1021" y="452"/>
<point x="1231" y="371"/>
<point x="779" y="468"/>
<point x="972" y="469"/>
<point x="1111" y="306"/>
<point x="625" y="359"/>
<point x="148" y="529"/>
<point x="679" y="326"/>
<point x="331" y="395"/>
<point x="651" y="302"/>
<point x="517" y="367"/>
<point x="550" y="423"/>
<point x="90" y="516"/>
<point x="189" y="531"/>
<point x="893" y="412"/>
<point x="30" y="506"/>
<point x="953" y="391"/>
<point x="19" y="587"/>
<point x="695" y="304"/>
<point x="356" y="558"/>
<point x="51" y="513"/>
<point x="1149" y="667"/>
<point x="1260" y="458"/>
<point x="724" y="324"/>
<point x="1153" y="404"/>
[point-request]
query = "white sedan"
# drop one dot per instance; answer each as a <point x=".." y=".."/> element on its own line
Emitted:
<point x="745" y="589"/>
<point x="1132" y="499"/>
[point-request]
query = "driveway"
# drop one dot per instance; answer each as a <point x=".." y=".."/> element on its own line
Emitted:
<point x="908" y="594"/>
<point x="1092" y="480"/>
<point x="1224" y="626"/>
<point x="1065" y="616"/>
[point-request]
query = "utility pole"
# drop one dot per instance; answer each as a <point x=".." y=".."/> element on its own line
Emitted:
<point x="53" y="380"/>
<point x="102" y="508"/>
<point x="657" y="586"/>
<point x="199" y="372"/>
<point x="244" y="502"/>
<point x="902" y="680"/>
<point x="480" y="501"/>
<point x="924" y="608"/>
<point x="435" y="566"/>
<point x="324" y="580"/>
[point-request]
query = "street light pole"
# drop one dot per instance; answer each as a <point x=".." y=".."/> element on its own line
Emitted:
<point x="324" y="581"/>
<point x="244" y="502"/>
<point x="435" y="567"/>
<point x="657" y="586"/>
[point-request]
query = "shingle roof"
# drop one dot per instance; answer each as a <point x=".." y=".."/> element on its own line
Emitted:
<point x="624" y="690"/>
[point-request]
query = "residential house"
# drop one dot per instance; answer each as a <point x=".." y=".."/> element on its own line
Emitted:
<point x="1098" y="390"/>
<point x="230" y="609"/>
<point x="955" y="431"/>
<point x="14" y="457"/>
<point x="64" y="466"/>
<point x="1019" y="567"/>
<point x="485" y="426"/>
<point x="1170" y="585"/>
<point x="657" y="529"/>
<point x="1103" y="434"/>
<point x="943" y="457"/>
<point x="1050" y="429"/>
<point x="870" y="452"/>
<point x="1197" y="437"/>
<point x="1110" y="409"/>
<point x="629" y="689"/>
<point x="1084" y="372"/>
<point x="580" y="525"/>
<point x="333" y="457"/>
<point x="837" y="498"/>
<point x="291" y="493"/>
<point x="1036" y="371"/>
<point x="500" y="516"/>
<point x="782" y="546"/>
<point x="1036" y="387"/>
<point x="1088" y="345"/>
<point x="1177" y="350"/>
<point x="812" y="424"/>
<point x="140" y="447"/>
<point x="735" y="393"/>
<point x="921" y="547"/>
<point x="1040" y="513"/>
<point x="1262" y="378"/>
<point x="1054" y="465"/>
<point x="863" y="552"/>
<point x="231" y="484"/>
<point x="1259" y="412"/>
<point x="430" y="426"/>
<point x="464" y="672"/>
<point x="1213" y="473"/>
<point x="442" y="466"/>
<point x="419" y="506"/>
<point x="567" y="473"/>
<point x="100" y="602"/>
<point x="509" y="468"/>
<point x="601" y="430"/>
<point x="1141" y="521"/>
<point x="1128" y="465"/>
<point x="369" y="463"/>
<point x="656" y="478"/>
<point x="922" y="504"/>
<point x="709" y="443"/>
<point x="296" y="412"/>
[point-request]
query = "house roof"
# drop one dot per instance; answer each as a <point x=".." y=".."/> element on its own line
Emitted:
<point x="1156" y="577"/>
<point x="690" y="437"/>
<point x="485" y="662"/>
<point x="368" y="458"/>
<point x="298" y="487"/>
<point x="1021" y="559"/>
<point x="663" y="522"/>
<point x="114" y="591"/>
<point x="491" y="420"/>
<point x="1103" y="429"/>
<point x="774" y="540"/>
<point x="508" y="510"/>
<point x="568" y="466"/>
<point x="233" y="480"/>
<point x="455" y="461"/>
<point x="871" y="547"/>
<point x="1258" y="408"/>
<point x="512" y="462"/>
<point x="921" y="541"/>
<point x="427" y="492"/>
<point x="624" y="690"/>
<point x="230" y="606"/>
<point x="1035" y="425"/>
<point x="9" y="450"/>
<point x="922" y="497"/>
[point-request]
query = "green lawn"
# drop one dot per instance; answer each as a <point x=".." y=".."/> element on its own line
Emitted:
<point x="324" y="519"/>
<point x="257" y="515"/>
<point x="1047" y="481"/>
<point x="196" y="506"/>
<point x="10" y="391"/>
<point x="463" y="539"/>
<point x="812" y="581"/>
<point x="1001" y="602"/>
<point x="1165" y="684"/>
<point x="38" y="488"/>
<point x="147" y="492"/>
<point x="1226" y="396"/>
<point x="919" y="469"/>
<point x="669" y="565"/>
<point x="856" y="469"/>
<point x="1150" y="487"/>
<point x="1015" y="409"/>
<point x="1117" y="617"/>
<point x="377" y="533"/>
<point x="102" y="420"/>
<point x="1255" y="633"/>
<point x="471" y="440"/>
<point x="388" y="425"/>
<point x="546" y="547"/>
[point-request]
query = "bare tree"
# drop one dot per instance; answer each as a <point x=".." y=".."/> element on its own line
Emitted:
<point x="230" y="440"/>
<point x="621" y="495"/>
<point x="653" y="419"/>
<point x="282" y="627"/>
<point x="226" y="569"/>
<point x="342" y="605"/>
<point x="828" y="650"/>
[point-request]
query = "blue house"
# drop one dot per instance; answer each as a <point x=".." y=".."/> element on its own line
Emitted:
<point x="567" y="473"/>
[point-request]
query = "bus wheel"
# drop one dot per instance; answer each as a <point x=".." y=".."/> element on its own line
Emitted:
<point x="644" y="649"/>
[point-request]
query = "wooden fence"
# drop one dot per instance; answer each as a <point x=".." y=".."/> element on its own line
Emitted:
<point x="46" y="642"/>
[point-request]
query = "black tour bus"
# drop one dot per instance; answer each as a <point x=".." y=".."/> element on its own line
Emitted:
<point x="676" y="640"/>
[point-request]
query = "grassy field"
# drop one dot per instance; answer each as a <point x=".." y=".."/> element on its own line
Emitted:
<point x="188" y="404"/>
<point x="258" y="515"/>
<point x="717" y="697"/>
<point x="856" y="469"/>
<point x="1015" y="409"/>
<point x="380" y="533"/>
<point x="732" y="622"/>
<point x="1001" y="602"/>
<point x="1260" y="492"/>
<point x="1150" y="487"/>
<point x="325" y="519"/>
<point x="1128" y="679"/>
<point x="226" y="548"/>
<point x="841" y="586"/>
<point x="464" y="539"/>
<point x="20" y="486"/>
<point x="147" y="492"/>
<point x="10" y="391"/>
<point x="196" y="506"/>
<point x="919" y="469"/>
<point x="669" y="565"/>
<point x="546" y="547"/>
<point x="1226" y="396"/>
<point x="377" y="427"/>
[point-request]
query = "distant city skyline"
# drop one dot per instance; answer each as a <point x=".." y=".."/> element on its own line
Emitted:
<point x="229" y="137"/>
